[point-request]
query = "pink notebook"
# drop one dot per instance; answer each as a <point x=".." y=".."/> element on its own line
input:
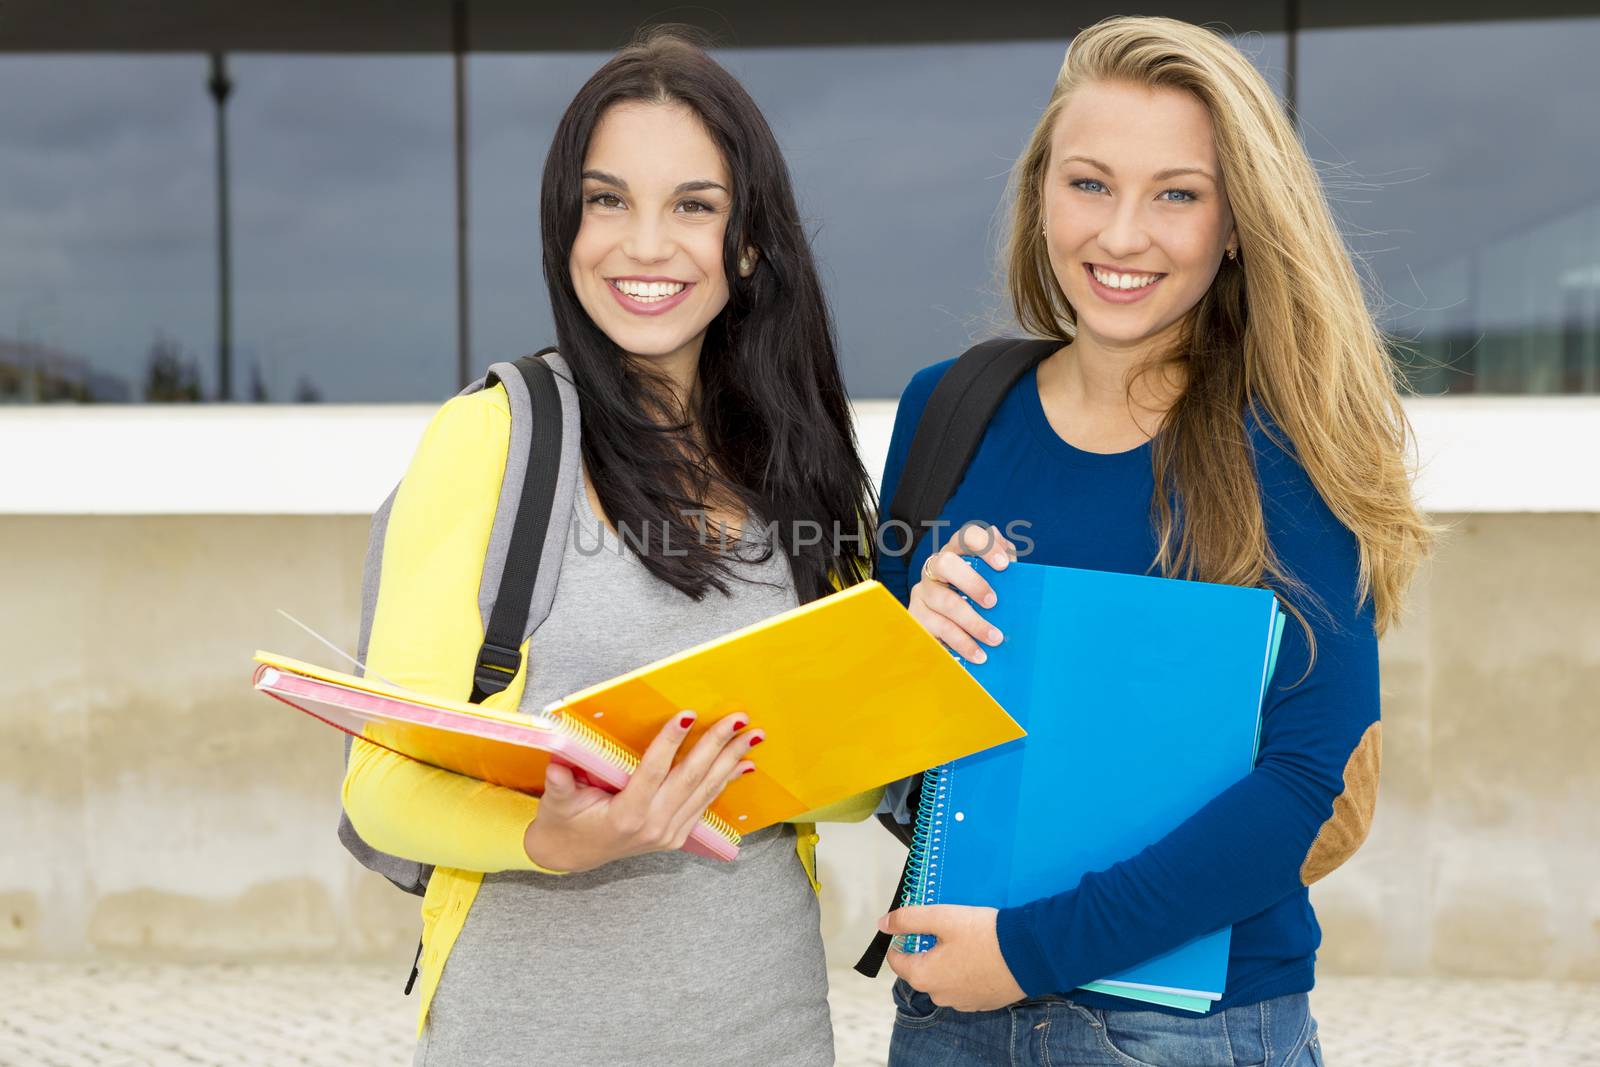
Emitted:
<point x="483" y="743"/>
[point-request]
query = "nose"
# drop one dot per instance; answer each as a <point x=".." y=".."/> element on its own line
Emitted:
<point x="646" y="240"/>
<point x="1125" y="235"/>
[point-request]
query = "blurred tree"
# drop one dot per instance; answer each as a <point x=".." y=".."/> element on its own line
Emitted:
<point x="169" y="376"/>
<point x="258" y="386"/>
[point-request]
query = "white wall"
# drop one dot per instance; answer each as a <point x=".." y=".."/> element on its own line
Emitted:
<point x="1478" y="454"/>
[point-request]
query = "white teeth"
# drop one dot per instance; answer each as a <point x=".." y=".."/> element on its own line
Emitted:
<point x="1123" y="281"/>
<point x="649" y="292"/>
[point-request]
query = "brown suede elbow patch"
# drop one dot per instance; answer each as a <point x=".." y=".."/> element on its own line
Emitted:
<point x="1347" y="827"/>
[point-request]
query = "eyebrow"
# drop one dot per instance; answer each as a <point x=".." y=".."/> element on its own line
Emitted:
<point x="696" y="186"/>
<point x="1160" y="176"/>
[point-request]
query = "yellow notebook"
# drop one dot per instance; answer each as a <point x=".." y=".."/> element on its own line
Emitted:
<point x="850" y="691"/>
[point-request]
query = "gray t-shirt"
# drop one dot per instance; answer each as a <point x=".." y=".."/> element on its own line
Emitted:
<point x="666" y="958"/>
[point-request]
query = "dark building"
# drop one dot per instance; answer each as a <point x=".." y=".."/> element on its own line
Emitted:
<point x="382" y="159"/>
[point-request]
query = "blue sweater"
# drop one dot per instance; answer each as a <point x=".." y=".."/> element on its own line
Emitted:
<point x="1247" y="857"/>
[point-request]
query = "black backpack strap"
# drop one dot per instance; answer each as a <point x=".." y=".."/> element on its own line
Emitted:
<point x="947" y="437"/>
<point x="953" y="424"/>
<point x="501" y="655"/>
<point x="871" y="961"/>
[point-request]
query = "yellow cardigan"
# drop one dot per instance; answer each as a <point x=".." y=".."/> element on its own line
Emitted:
<point x="426" y="631"/>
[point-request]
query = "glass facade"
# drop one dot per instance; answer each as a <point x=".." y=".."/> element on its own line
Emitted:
<point x="1463" y="159"/>
<point x="342" y="212"/>
<point x="1474" y="213"/>
<point x="343" y="190"/>
<point x="107" y="224"/>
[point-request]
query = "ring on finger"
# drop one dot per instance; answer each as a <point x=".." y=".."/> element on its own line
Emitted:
<point x="927" y="570"/>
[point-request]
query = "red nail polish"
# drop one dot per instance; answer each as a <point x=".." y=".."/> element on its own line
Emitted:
<point x="686" y="722"/>
<point x="740" y="724"/>
<point x="748" y="770"/>
<point x="757" y="739"/>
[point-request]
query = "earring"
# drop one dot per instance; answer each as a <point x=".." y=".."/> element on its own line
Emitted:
<point x="745" y="266"/>
<point x="1233" y="253"/>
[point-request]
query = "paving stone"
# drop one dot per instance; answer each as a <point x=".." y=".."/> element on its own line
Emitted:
<point x="328" y="1015"/>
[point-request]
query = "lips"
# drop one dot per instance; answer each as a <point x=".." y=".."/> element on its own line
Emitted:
<point x="1119" y="296"/>
<point x="648" y="307"/>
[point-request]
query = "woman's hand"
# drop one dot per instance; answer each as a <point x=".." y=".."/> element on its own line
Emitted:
<point x="936" y="601"/>
<point x="965" y="970"/>
<point x="579" y="826"/>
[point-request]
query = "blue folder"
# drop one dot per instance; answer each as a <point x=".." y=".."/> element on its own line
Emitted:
<point x="1141" y="697"/>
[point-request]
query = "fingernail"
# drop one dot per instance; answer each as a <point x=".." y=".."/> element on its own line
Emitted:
<point x="756" y="739"/>
<point x="994" y="636"/>
<point x="749" y="770"/>
<point x="980" y="656"/>
<point x="740" y="724"/>
<point x="988" y="600"/>
<point x="686" y="722"/>
<point x="883" y="923"/>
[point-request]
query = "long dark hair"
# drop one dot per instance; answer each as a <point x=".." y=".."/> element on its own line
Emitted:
<point x="774" y="423"/>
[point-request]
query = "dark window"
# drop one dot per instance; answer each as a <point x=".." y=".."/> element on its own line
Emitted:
<point x="343" y="227"/>
<point x="1471" y="209"/>
<point x="343" y="234"/>
<point x="107" y="226"/>
<point x="900" y="158"/>
<point x="1463" y="159"/>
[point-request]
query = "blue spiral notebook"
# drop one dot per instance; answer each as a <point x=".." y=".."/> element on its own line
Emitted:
<point x="1142" y="699"/>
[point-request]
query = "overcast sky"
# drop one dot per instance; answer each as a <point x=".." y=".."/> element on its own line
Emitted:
<point x="1440" y="145"/>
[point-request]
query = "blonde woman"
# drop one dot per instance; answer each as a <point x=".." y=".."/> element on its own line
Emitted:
<point x="1222" y="407"/>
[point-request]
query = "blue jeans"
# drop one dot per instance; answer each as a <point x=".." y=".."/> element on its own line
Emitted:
<point x="1054" y="1031"/>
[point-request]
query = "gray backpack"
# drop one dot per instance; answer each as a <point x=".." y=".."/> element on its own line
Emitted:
<point x="523" y="559"/>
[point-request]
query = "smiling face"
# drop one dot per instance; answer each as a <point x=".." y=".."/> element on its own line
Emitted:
<point x="647" y="261"/>
<point x="1136" y="218"/>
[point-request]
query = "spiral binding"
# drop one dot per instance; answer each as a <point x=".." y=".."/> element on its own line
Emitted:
<point x="608" y="749"/>
<point x="927" y="842"/>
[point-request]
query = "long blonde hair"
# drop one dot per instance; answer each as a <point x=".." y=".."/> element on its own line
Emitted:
<point x="1284" y="327"/>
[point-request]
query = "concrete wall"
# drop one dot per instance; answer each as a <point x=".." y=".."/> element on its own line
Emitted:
<point x="152" y="806"/>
